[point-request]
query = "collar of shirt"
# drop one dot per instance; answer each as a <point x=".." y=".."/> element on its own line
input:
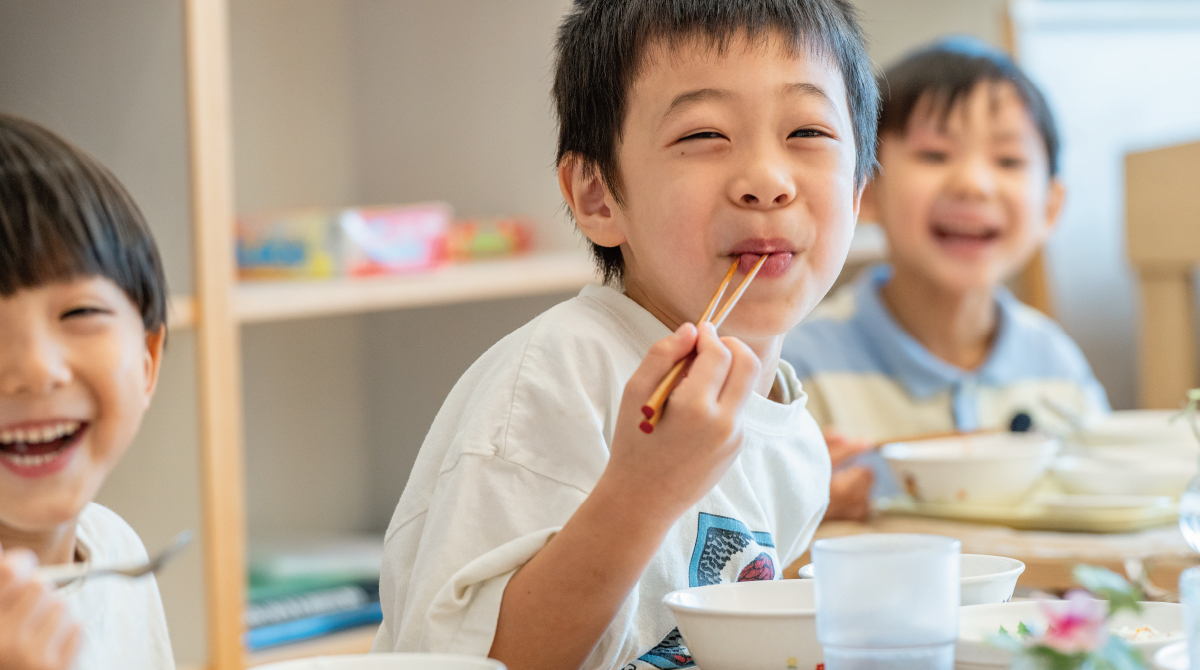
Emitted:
<point x="922" y="373"/>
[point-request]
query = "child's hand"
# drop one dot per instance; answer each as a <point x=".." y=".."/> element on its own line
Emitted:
<point x="849" y="487"/>
<point x="36" y="633"/>
<point x="700" y="432"/>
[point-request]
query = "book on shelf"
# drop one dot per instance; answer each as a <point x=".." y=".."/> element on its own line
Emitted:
<point x="304" y="588"/>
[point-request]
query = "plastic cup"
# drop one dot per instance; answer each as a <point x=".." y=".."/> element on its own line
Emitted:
<point x="887" y="602"/>
<point x="1189" y="597"/>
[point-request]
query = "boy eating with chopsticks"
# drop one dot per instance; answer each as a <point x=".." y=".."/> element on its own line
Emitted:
<point x="544" y="521"/>
<point x="82" y="325"/>
<point x="932" y="342"/>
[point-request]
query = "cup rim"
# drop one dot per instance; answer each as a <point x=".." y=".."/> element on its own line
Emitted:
<point x="889" y="543"/>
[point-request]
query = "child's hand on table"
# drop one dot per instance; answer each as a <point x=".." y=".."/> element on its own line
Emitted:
<point x="849" y="487"/>
<point x="36" y="633"/>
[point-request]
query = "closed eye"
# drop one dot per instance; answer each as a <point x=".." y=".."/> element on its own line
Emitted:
<point x="81" y="312"/>
<point x="703" y="135"/>
<point x="1012" y="162"/>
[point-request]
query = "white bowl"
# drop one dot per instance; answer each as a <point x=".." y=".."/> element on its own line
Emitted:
<point x="1138" y="426"/>
<point x="764" y="625"/>
<point x="985" y="579"/>
<point x="1172" y="657"/>
<point x="979" y="622"/>
<point x="388" y="662"/>
<point x="996" y="468"/>
<point x="1109" y="473"/>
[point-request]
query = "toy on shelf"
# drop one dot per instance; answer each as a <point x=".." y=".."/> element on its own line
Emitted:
<point x="483" y="238"/>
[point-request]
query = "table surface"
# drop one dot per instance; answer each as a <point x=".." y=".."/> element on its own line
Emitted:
<point x="1049" y="557"/>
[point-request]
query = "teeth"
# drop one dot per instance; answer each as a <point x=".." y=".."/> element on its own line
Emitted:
<point x="29" y="460"/>
<point x="39" y="435"/>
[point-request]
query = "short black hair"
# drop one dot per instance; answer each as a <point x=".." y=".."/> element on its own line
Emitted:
<point x="945" y="73"/>
<point x="601" y="45"/>
<point x="63" y="215"/>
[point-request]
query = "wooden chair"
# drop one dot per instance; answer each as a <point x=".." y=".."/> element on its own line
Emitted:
<point x="1162" y="224"/>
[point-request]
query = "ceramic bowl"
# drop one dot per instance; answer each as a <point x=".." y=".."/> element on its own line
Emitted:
<point x="388" y="662"/>
<point x="987" y="469"/>
<point x="749" y="625"/>
<point x="1144" y="474"/>
<point x="1174" y="656"/>
<point x="979" y="622"/>
<point x="1139" y="426"/>
<point x="985" y="579"/>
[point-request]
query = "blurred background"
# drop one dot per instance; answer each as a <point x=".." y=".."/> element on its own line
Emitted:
<point x="341" y="103"/>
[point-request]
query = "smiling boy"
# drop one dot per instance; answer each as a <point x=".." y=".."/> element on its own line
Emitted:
<point x="967" y="191"/>
<point x="540" y="526"/>
<point x="82" y="325"/>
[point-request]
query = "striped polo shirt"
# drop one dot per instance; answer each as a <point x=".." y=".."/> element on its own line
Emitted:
<point x="868" y="378"/>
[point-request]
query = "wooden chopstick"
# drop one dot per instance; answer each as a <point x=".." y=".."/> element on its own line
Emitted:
<point x="653" y="408"/>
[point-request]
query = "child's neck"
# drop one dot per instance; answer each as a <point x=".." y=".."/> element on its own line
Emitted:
<point x="957" y="327"/>
<point x="51" y="547"/>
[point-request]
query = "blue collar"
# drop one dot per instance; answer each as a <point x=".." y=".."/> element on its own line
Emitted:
<point x="908" y="361"/>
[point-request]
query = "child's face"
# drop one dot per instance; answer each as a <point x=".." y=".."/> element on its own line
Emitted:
<point x="726" y="156"/>
<point x="77" y="370"/>
<point x="966" y="203"/>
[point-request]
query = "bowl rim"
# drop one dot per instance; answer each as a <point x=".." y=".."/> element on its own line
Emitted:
<point x="965" y="610"/>
<point x="1014" y="571"/>
<point x="671" y="601"/>
<point x="1032" y="447"/>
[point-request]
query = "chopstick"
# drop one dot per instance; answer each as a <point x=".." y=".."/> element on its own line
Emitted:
<point x="653" y="409"/>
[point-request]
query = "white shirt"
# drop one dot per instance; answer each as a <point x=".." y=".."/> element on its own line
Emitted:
<point x="518" y="445"/>
<point x="122" y="619"/>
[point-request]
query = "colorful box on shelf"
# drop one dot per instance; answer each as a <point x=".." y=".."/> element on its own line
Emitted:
<point x="356" y="242"/>
<point x="489" y="238"/>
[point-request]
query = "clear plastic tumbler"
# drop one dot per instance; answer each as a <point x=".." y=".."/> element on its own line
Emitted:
<point x="887" y="602"/>
<point x="1189" y="596"/>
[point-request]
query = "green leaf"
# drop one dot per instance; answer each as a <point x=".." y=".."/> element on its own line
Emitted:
<point x="1108" y="585"/>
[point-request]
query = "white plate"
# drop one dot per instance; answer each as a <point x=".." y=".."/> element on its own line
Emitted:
<point x="1071" y="501"/>
<point x="1172" y="657"/>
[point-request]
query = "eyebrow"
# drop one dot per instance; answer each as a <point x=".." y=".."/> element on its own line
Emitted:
<point x="690" y="98"/>
<point x="809" y="90"/>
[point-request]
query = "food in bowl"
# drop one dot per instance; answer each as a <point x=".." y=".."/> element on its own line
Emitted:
<point x="985" y="579"/>
<point x="765" y="625"/>
<point x="988" y="468"/>
<point x="977" y="623"/>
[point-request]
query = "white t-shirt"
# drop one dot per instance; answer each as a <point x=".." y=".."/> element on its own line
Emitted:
<point x="517" y="447"/>
<point x="122" y="619"/>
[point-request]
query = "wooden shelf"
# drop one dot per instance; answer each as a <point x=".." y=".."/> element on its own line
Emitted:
<point x="258" y="302"/>
<point x="353" y="641"/>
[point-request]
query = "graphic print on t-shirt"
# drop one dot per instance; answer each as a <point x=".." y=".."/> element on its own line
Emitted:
<point x="726" y="551"/>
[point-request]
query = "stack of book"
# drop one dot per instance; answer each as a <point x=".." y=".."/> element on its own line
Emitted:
<point x="304" y="589"/>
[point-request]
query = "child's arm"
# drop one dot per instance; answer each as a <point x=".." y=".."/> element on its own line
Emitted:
<point x="556" y="608"/>
<point x="36" y="632"/>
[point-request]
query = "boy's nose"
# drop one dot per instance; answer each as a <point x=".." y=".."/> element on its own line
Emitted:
<point x="764" y="185"/>
<point x="32" y="366"/>
<point x="972" y="179"/>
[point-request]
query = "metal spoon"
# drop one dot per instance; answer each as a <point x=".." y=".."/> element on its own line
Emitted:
<point x="61" y="575"/>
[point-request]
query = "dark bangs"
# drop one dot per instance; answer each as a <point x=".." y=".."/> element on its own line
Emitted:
<point x="64" y="216"/>
<point x="945" y="73"/>
<point x="602" y="44"/>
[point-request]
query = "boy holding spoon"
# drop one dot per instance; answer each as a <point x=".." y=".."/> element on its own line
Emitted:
<point x="541" y="524"/>
<point x="82" y="324"/>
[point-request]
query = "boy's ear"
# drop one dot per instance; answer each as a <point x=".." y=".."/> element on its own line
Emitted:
<point x="590" y="201"/>
<point x="1054" y="201"/>
<point x="155" y="341"/>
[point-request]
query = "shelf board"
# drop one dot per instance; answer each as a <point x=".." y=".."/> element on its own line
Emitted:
<point x="258" y="302"/>
<point x="353" y="641"/>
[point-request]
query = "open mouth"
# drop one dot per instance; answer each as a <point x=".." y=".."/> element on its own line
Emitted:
<point x="779" y="251"/>
<point x="967" y="236"/>
<point x="31" y="450"/>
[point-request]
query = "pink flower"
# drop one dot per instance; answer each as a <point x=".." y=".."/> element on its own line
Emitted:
<point x="1075" y="624"/>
